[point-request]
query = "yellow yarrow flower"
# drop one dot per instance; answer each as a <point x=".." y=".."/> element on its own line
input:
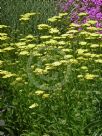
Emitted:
<point x="33" y="106"/>
<point x="45" y="95"/>
<point x="39" y="92"/>
<point x="90" y="76"/>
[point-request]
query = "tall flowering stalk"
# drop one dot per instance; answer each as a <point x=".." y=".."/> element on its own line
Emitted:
<point x="92" y="7"/>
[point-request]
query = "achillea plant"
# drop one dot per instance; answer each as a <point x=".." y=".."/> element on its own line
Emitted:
<point x="52" y="80"/>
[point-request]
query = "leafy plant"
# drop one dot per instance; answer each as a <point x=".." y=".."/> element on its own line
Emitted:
<point x="52" y="79"/>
